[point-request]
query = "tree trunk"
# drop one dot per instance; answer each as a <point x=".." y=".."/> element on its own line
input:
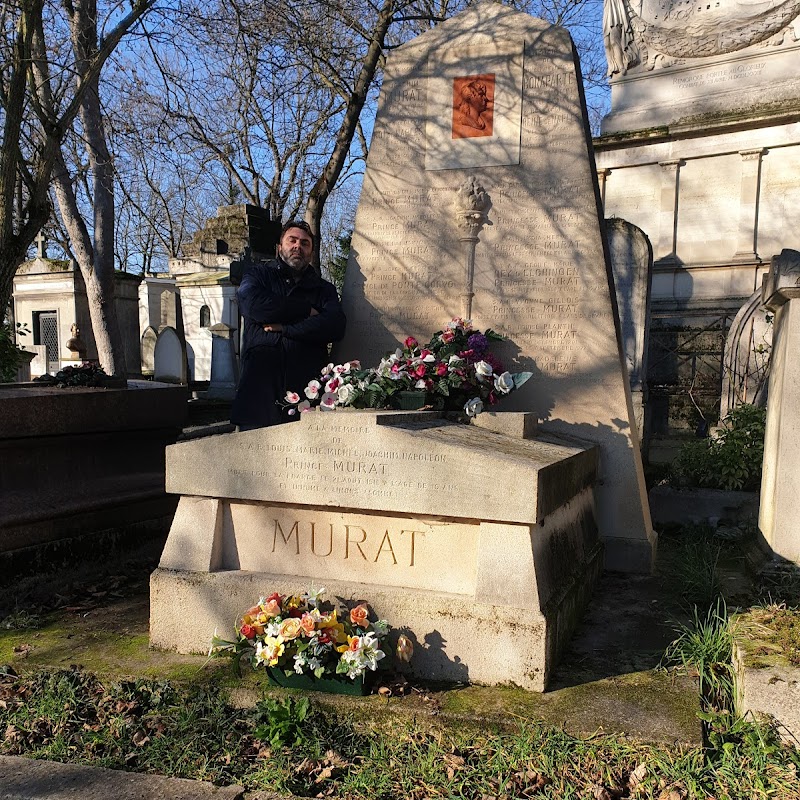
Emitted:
<point x="344" y="138"/>
<point x="28" y="88"/>
<point x="95" y="259"/>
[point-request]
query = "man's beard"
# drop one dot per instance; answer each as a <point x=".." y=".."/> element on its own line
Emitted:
<point x="295" y="261"/>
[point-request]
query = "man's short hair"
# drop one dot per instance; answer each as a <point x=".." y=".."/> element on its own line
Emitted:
<point x="297" y="223"/>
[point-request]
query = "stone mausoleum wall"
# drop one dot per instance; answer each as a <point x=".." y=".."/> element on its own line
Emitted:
<point x="701" y="150"/>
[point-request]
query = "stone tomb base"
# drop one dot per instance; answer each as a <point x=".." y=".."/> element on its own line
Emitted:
<point x="476" y="542"/>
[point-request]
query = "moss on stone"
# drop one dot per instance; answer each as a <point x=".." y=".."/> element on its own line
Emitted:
<point x="110" y="653"/>
<point x="769" y="637"/>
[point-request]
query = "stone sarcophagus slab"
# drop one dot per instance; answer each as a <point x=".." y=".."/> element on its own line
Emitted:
<point x="480" y="545"/>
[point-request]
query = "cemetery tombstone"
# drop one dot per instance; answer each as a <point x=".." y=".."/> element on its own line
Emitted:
<point x="149" y="338"/>
<point x="169" y="358"/>
<point x="480" y="197"/>
<point x="747" y="354"/>
<point x="224" y="366"/>
<point x="632" y="263"/>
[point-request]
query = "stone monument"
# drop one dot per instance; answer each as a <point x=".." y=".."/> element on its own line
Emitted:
<point x="50" y="300"/>
<point x="169" y="357"/>
<point x="403" y="510"/>
<point x="705" y="58"/>
<point x="478" y="541"/>
<point x="778" y="519"/>
<point x="500" y="221"/>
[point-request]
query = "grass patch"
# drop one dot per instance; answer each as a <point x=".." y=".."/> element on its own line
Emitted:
<point x="287" y="744"/>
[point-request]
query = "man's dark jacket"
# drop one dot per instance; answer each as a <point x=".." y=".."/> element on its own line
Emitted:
<point x="274" y="363"/>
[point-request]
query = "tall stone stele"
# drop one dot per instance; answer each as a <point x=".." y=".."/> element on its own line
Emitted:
<point x="481" y="198"/>
<point x="778" y="520"/>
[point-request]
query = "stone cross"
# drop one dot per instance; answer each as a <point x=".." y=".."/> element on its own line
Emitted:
<point x="41" y="245"/>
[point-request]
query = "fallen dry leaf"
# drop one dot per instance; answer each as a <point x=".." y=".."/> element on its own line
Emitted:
<point x="601" y="793"/>
<point x="140" y="738"/>
<point x="637" y="776"/>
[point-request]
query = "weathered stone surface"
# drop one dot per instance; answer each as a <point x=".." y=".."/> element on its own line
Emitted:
<point x="537" y="270"/>
<point x="169" y="357"/>
<point x="386" y="461"/>
<point x="522" y="587"/>
<point x="778" y="519"/>
<point x="27" y="779"/>
<point x="747" y="352"/>
<point x="679" y="60"/>
<point x="632" y="264"/>
<point x="74" y="461"/>
<point x="701" y="506"/>
<point x="403" y="509"/>
<point x="771" y="687"/>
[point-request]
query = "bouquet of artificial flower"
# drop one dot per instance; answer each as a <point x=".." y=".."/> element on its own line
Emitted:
<point x="295" y="633"/>
<point x="456" y="370"/>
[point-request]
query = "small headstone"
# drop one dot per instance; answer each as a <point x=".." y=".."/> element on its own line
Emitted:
<point x="536" y="272"/>
<point x="169" y="358"/>
<point x="224" y="366"/>
<point x="149" y="338"/>
<point x="746" y="361"/>
<point x="632" y="263"/>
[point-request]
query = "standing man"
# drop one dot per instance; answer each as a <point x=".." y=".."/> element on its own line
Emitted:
<point x="290" y="315"/>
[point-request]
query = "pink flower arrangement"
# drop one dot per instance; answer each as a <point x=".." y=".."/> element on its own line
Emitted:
<point x="456" y="370"/>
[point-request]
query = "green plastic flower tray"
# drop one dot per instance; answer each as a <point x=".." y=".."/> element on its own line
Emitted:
<point x="277" y="677"/>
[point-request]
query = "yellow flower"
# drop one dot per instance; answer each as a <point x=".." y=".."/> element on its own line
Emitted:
<point x="329" y="620"/>
<point x="271" y="651"/>
<point x="335" y="627"/>
<point x="294" y="602"/>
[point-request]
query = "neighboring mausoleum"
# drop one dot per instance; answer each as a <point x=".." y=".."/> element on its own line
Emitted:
<point x="50" y="301"/>
<point x="701" y="150"/>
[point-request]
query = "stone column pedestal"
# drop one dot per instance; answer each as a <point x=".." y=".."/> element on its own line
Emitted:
<point x="778" y="520"/>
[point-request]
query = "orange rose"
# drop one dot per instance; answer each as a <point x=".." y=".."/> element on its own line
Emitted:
<point x="308" y="624"/>
<point x="272" y="608"/>
<point x="290" y="628"/>
<point x="358" y="616"/>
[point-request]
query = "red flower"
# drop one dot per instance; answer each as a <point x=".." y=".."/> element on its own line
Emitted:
<point x="411" y="342"/>
<point x="441" y="369"/>
<point x="428" y="384"/>
<point x="420" y="371"/>
<point x="324" y="637"/>
<point x="295" y="612"/>
<point x="248" y="631"/>
<point x="278" y="598"/>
